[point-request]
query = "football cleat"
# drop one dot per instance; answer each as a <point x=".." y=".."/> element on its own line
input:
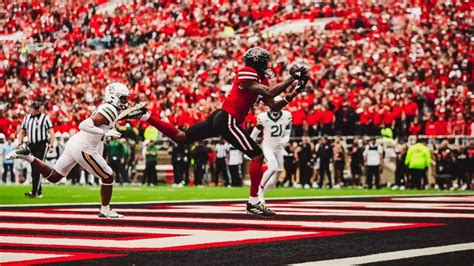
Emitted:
<point x="259" y="209"/>
<point x="110" y="214"/>
<point x="19" y="153"/>
<point x="32" y="196"/>
<point x="138" y="111"/>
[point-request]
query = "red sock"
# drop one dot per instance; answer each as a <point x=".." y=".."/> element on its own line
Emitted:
<point x="164" y="127"/>
<point x="256" y="173"/>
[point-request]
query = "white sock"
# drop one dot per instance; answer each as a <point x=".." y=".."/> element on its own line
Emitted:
<point x="104" y="209"/>
<point x="29" y="158"/>
<point x="253" y="200"/>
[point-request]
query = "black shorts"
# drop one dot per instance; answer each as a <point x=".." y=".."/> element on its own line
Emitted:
<point x="221" y="123"/>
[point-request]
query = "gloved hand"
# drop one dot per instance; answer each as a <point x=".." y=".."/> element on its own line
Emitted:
<point x="299" y="72"/>
<point x="301" y="85"/>
<point x="112" y="133"/>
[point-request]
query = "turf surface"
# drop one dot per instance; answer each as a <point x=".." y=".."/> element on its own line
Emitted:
<point x="90" y="194"/>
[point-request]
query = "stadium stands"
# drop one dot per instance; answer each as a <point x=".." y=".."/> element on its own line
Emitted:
<point x="378" y="66"/>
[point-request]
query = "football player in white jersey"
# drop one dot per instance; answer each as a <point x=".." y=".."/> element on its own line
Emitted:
<point x="86" y="147"/>
<point x="276" y="127"/>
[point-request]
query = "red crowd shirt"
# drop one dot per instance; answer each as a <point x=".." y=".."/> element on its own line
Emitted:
<point x="299" y="117"/>
<point x="327" y="117"/>
<point x="411" y="108"/>
<point x="430" y="128"/>
<point x="365" y="117"/>
<point x="414" y="129"/>
<point x="315" y="117"/>
<point x="441" y="128"/>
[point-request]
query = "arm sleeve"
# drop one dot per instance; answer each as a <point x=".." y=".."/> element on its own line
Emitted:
<point x="255" y="132"/>
<point x="287" y="133"/>
<point x="407" y="158"/>
<point x="88" y="126"/>
<point x="246" y="74"/>
<point x="23" y="123"/>
<point x="48" y="123"/>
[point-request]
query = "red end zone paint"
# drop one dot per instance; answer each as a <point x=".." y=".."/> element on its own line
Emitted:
<point x="72" y="256"/>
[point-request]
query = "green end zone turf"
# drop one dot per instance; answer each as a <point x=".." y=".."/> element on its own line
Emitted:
<point x="90" y="194"/>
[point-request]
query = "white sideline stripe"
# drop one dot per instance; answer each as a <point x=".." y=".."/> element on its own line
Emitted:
<point x="9" y="257"/>
<point x="450" y="199"/>
<point x="396" y="255"/>
<point x="394" y="197"/>
<point x="355" y="225"/>
<point x="203" y="209"/>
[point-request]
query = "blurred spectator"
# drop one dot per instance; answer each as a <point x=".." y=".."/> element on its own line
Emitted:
<point x="151" y="159"/>
<point x="401" y="172"/>
<point x="356" y="162"/>
<point x="222" y="150"/>
<point x="179" y="157"/>
<point x="235" y="161"/>
<point x="8" y="146"/>
<point x="325" y="155"/>
<point x="339" y="161"/>
<point x="304" y="158"/>
<point x="444" y="168"/>
<point x="116" y="158"/>
<point x="373" y="158"/>
<point x="461" y="168"/>
<point x="418" y="160"/>
<point x="289" y="163"/>
<point x="200" y="156"/>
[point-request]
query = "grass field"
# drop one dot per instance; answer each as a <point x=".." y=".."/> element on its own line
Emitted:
<point x="87" y="194"/>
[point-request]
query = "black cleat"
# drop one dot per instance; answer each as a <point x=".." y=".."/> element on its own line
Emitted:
<point x="259" y="209"/>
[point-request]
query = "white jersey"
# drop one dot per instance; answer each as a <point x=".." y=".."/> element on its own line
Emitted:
<point x="274" y="128"/>
<point x="93" y="142"/>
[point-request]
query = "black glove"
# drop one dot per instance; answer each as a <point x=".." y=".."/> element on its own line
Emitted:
<point x="298" y="72"/>
<point x="301" y="85"/>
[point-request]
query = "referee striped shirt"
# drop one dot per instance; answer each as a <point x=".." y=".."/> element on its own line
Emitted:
<point x="37" y="127"/>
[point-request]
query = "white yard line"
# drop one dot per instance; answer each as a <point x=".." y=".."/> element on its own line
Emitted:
<point x="241" y="199"/>
<point x="396" y="255"/>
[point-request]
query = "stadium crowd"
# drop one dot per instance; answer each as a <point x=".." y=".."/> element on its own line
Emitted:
<point x="405" y="66"/>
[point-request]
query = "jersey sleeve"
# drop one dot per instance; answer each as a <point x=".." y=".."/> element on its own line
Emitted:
<point x="108" y="111"/>
<point x="246" y="74"/>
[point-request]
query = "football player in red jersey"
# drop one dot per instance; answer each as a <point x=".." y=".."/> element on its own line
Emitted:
<point x="250" y="84"/>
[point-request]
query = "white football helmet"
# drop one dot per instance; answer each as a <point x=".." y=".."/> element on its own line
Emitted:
<point x="117" y="94"/>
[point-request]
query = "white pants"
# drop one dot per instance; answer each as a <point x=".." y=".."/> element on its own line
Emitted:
<point x="274" y="157"/>
<point x="92" y="162"/>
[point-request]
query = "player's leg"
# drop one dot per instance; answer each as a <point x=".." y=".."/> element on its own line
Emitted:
<point x="272" y="166"/>
<point x="228" y="128"/>
<point x="96" y="165"/>
<point x="43" y="168"/>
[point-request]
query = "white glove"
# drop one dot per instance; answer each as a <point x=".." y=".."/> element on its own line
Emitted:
<point x="112" y="133"/>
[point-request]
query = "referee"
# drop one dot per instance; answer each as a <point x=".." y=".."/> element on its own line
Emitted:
<point x="39" y="130"/>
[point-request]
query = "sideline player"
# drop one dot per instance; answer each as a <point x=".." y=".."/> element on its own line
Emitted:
<point x="250" y="84"/>
<point x="86" y="147"/>
<point x="276" y="127"/>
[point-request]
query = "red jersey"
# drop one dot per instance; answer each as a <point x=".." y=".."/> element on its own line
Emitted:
<point x="240" y="101"/>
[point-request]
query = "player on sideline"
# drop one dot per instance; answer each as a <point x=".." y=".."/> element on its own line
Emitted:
<point x="86" y="147"/>
<point x="250" y="84"/>
<point x="276" y="127"/>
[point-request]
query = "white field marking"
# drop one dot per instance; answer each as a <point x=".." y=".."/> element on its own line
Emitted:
<point x="24" y="255"/>
<point x="378" y="205"/>
<point x="206" y="209"/>
<point x="353" y="225"/>
<point x="441" y="199"/>
<point x="236" y="199"/>
<point x="396" y="255"/>
<point x="184" y="237"/>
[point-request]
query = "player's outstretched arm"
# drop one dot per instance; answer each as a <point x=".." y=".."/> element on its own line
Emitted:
<point x="278" y="105"/>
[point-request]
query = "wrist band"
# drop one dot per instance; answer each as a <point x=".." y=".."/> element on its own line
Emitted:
<point x="287" y="99"/>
